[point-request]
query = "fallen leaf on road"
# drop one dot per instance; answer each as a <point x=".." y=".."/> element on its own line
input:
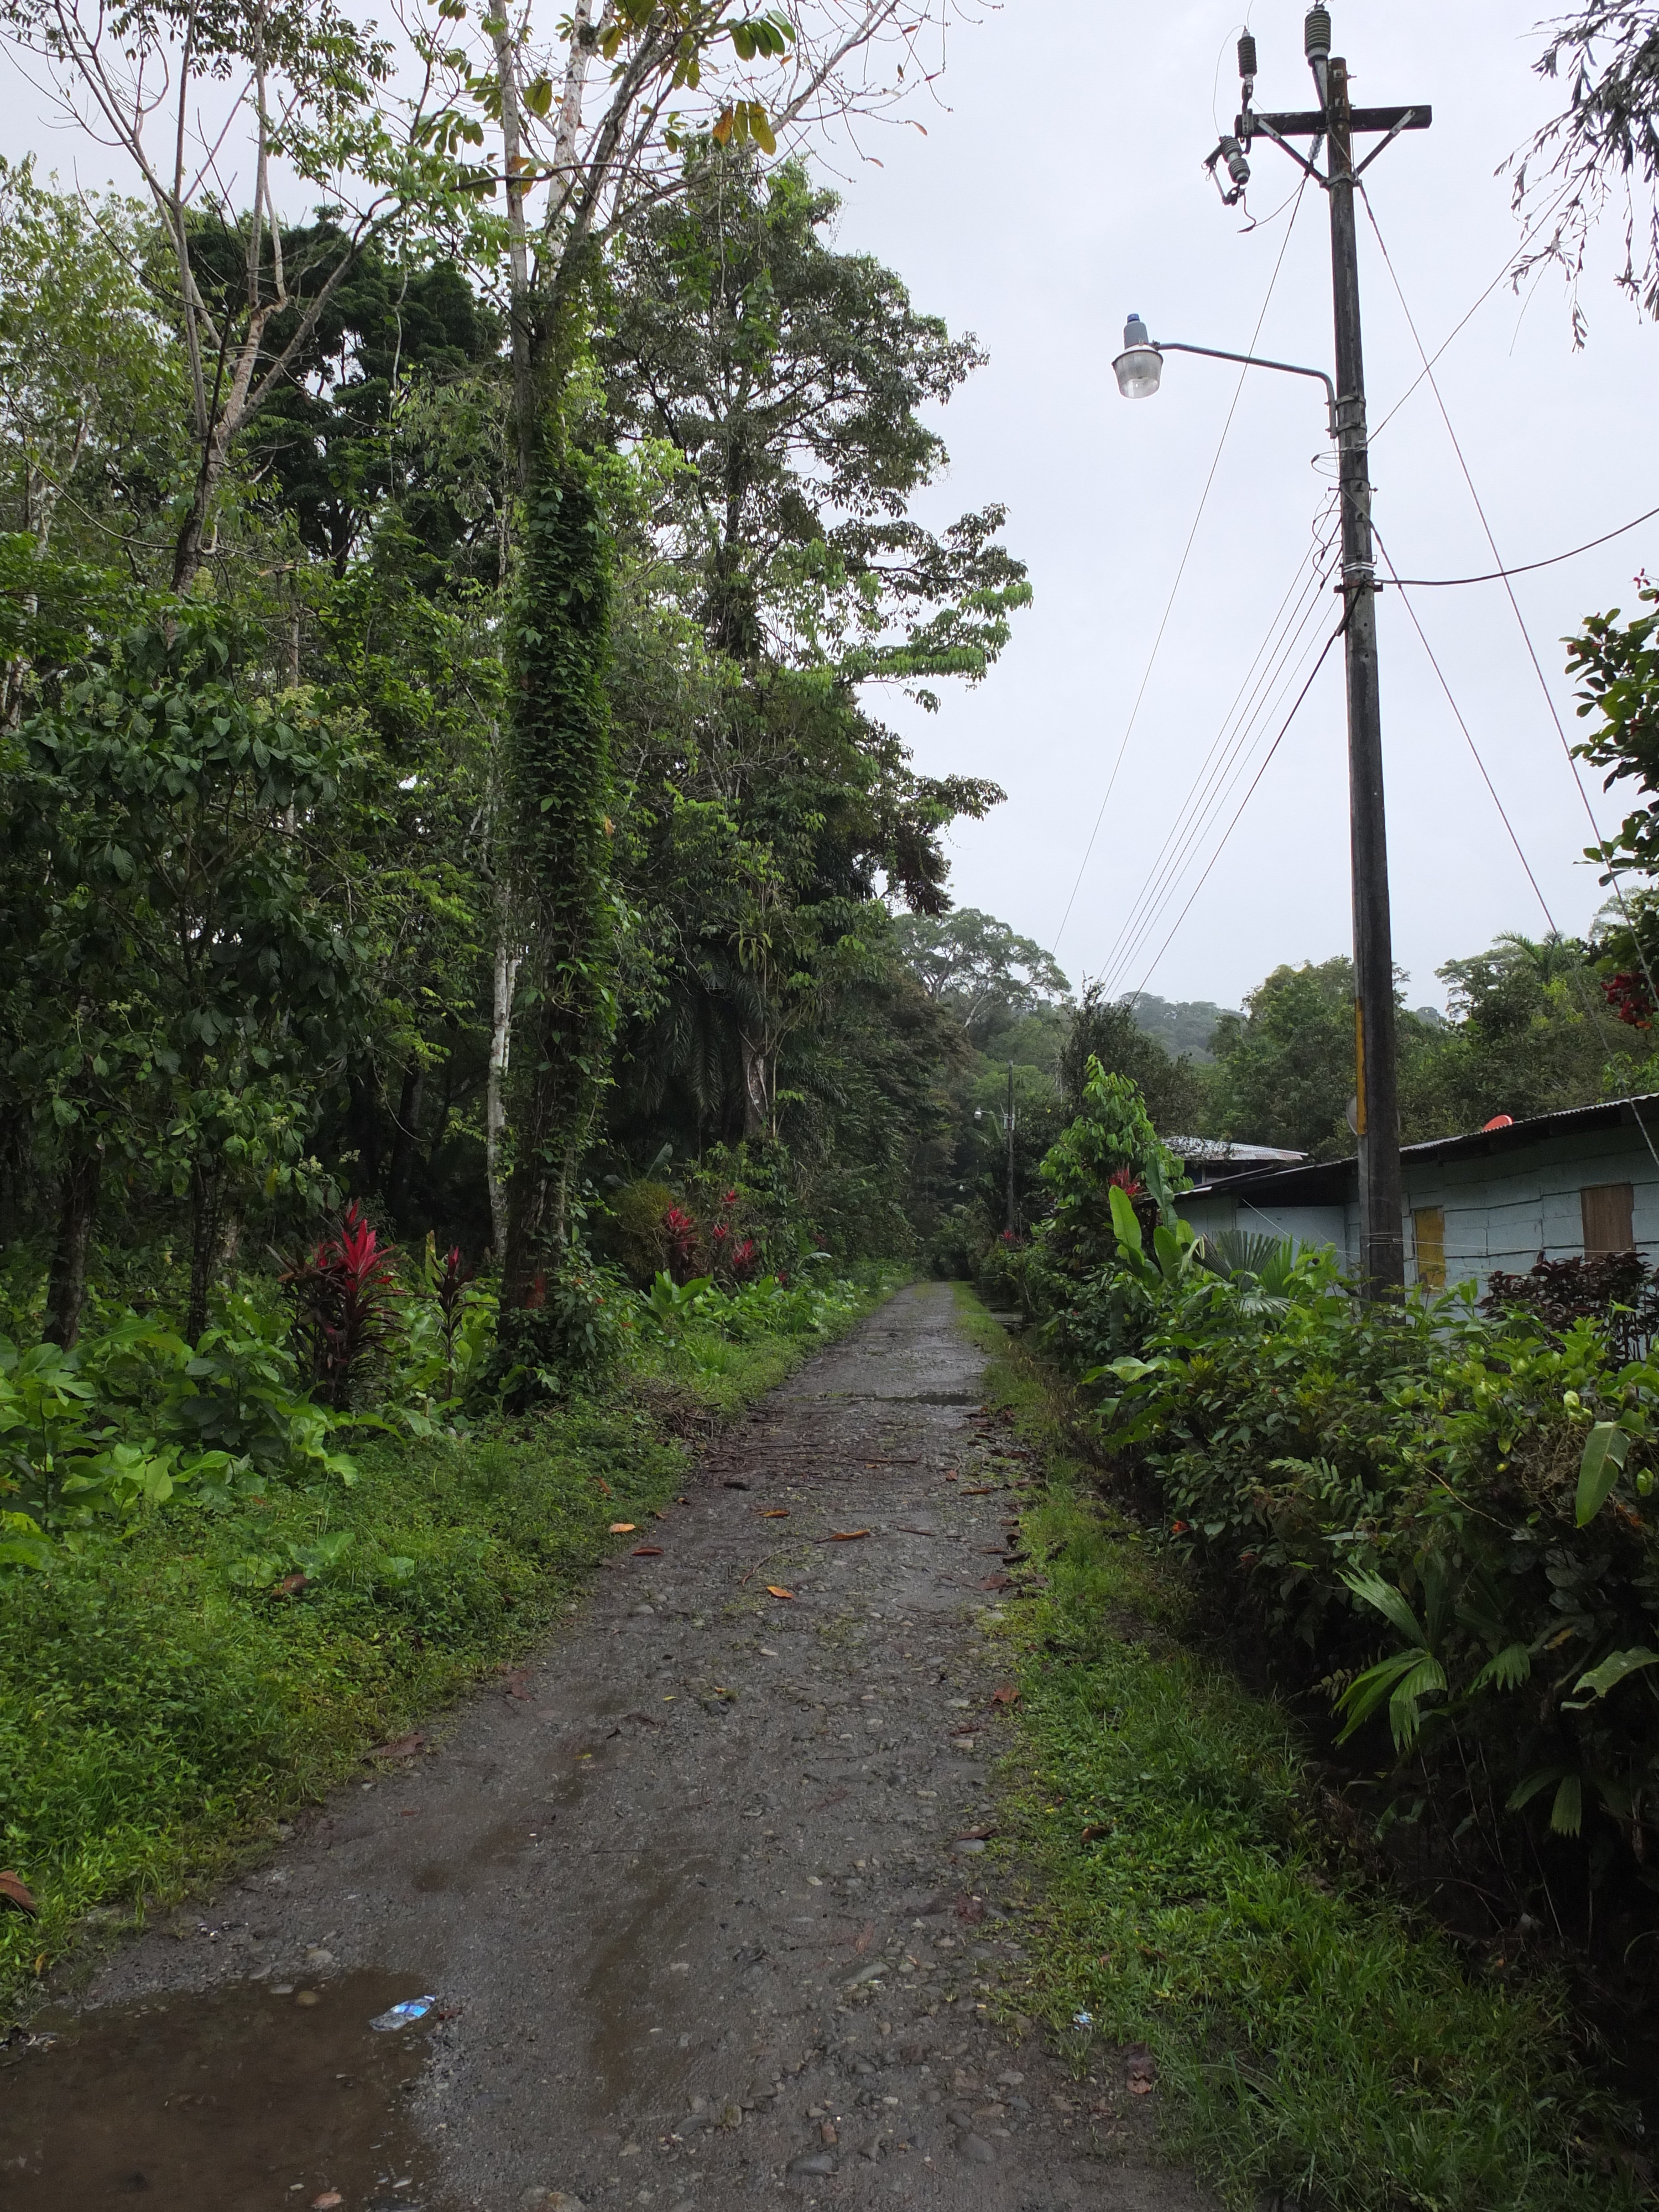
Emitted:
<point x="327" y="2202"/>
<point x="772" y="1590"/>
<point x="981" y="1490"/>
<point x="621" y="1528"/>
<point x="863" y="1942"/>
<point x="403" y="1746"/>
<point x="515" y="1685"/>
<point x="647" y="1551"/>
<point x="773" y="1512"/>
<point x="1143" y="2073"/>
<point x="949" y="1478"/>
<point x="1007" y="1695"/>
<point x="846" y="1535"/>
<point x="13" y="1888"/>
<point x="996" y="1582"/>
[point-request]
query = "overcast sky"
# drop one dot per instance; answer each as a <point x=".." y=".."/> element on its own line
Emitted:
<point x="1057" y="187"/>
<point x="1061" y="186"/>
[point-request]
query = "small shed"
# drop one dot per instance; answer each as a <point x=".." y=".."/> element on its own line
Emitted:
<point x="1562" y="1185"/>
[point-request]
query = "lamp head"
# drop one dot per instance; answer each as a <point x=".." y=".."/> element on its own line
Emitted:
<point x="1139" y="367"/>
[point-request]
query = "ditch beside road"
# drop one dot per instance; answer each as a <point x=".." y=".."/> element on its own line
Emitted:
<point x="702" y="1893"/>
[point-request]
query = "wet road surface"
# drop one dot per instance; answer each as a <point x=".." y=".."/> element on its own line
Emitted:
<point x="698" y="1891"/>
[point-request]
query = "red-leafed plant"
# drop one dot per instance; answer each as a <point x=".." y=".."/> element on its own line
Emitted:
<point x="448" y="1283"/>
<point x="1629" y="999"/>
<point x="683" y="1240"/>
<point x="344" y="1304"/>
<point x="743" y="1259"/>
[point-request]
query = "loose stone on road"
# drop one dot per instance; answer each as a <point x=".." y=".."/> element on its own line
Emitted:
<point x="698" y="1891"/>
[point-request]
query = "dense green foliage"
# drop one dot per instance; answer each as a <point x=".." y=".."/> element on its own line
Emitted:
<point x="1312" y="2042"/>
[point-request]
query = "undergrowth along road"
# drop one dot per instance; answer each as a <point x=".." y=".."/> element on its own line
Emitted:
<point x="160" y="1720"/>
<point x="1318" y="2044"/>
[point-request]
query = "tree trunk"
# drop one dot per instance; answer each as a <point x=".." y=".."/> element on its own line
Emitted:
<point x="756" y="1095"/>
<point x="66" y="1285"/>
<point x="556" y="784"/>
<point x="404" y="1137"/>
<point x="206" y="1187"/>
<point x="501" y="1043"/>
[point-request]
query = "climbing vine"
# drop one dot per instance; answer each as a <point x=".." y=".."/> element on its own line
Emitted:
<point x="556" y="784"/>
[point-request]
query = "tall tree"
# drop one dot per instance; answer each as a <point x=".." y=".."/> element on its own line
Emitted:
<point x="985" y="972"/>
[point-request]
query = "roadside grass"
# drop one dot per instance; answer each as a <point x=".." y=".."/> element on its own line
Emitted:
<point x="157" y="1721"/>
<point x="1317" y="2044"/>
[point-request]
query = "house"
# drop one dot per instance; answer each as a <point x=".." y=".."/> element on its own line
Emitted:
<point x="1562" y="1185"/>
<point x="1214" y="1160"/>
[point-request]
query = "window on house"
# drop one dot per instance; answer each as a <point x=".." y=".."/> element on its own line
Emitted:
<point x="1609" y="1209"/>
<point x="1429" y="1234"/>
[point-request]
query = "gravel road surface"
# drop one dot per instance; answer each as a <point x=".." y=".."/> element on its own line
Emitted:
<point x="698" y="1892"/>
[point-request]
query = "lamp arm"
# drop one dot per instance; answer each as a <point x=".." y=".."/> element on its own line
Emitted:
<point x="1256" y="360"/>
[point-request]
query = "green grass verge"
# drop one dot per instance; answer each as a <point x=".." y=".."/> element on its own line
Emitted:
<point x="156" y="1721"/>
<point x="1314" y="2041"/>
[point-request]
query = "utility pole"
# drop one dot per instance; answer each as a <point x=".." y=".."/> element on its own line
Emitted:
<point x="1337" y="122"/>
<point x="1008" y="1127"/>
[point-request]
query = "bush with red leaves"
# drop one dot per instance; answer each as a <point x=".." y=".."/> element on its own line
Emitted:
<point x="345" y="1308"/>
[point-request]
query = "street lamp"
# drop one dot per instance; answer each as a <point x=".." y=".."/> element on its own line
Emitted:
<point x="1139" y="367"/>
<point x="1334" y="124"/>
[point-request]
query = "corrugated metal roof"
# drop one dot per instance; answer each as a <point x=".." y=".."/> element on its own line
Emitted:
<point x="1326" y="1183"/>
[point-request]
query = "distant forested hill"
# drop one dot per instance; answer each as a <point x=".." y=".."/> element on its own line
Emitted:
<point x="1179" y="1024"/>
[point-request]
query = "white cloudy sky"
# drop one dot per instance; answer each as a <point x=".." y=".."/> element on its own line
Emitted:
<point x="1060" y="187"/>
<point x="1057" y="187"/>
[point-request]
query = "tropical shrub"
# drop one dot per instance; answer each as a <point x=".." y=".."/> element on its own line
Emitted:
<point x="344" y="1293"/>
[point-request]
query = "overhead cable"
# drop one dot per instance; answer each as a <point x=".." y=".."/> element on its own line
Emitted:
<point x="1169" y="608"/>
<point x="1185" y="839"/>
<point x="1502" y="575"/>
<point x="1261" y="771"/>
<point x="1526" y="634"/>
<point x="1259" y="672"/>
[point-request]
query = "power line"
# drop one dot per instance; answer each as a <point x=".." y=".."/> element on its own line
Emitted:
<point x="1595" y="1014"/>
<point x="1151" y="658"/>
<point x="1163" y="886"/>
<point x="1520" y="620"/>
<point x="1502" y="575"/>
<point x="1243" y="804"/>
<point x="1401" y="582"/>
<point x="1267" y="652"/>
<point x="1457" y="328"/>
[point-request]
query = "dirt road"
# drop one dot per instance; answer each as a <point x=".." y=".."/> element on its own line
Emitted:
<point x="697" y="1892"/>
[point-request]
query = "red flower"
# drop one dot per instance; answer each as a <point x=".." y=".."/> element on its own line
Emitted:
<point x="1179" y="1528"/>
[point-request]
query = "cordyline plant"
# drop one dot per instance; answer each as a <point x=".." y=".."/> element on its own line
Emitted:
<point x="447" y="1283"/>
<point x="344" y="1299"/>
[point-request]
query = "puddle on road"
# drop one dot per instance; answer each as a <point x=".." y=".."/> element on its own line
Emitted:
<point x="236" y="2101"/>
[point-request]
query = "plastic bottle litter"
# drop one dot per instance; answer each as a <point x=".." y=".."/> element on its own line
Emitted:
<point x="1078" y="2019"/>
<point x="404" y="2015"/>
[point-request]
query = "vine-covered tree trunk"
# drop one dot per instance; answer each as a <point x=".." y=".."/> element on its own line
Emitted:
<point x="556" y="785"/>
<point x="207" y="1212"/>
<point x="66" y="1282"/>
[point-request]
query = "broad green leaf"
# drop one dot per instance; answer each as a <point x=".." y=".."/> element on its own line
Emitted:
<point x="1614" y="1670"/>
<point x="1598" y="1470"/>
<point x="1567" y="1813"/>
<point x="1386" y="1599"/>
<point x="1125" y="1225"/>
<point x="1508" y="1669"/>
<point x="1404" y="1718"/>
<point x="1367" y="1692"/>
